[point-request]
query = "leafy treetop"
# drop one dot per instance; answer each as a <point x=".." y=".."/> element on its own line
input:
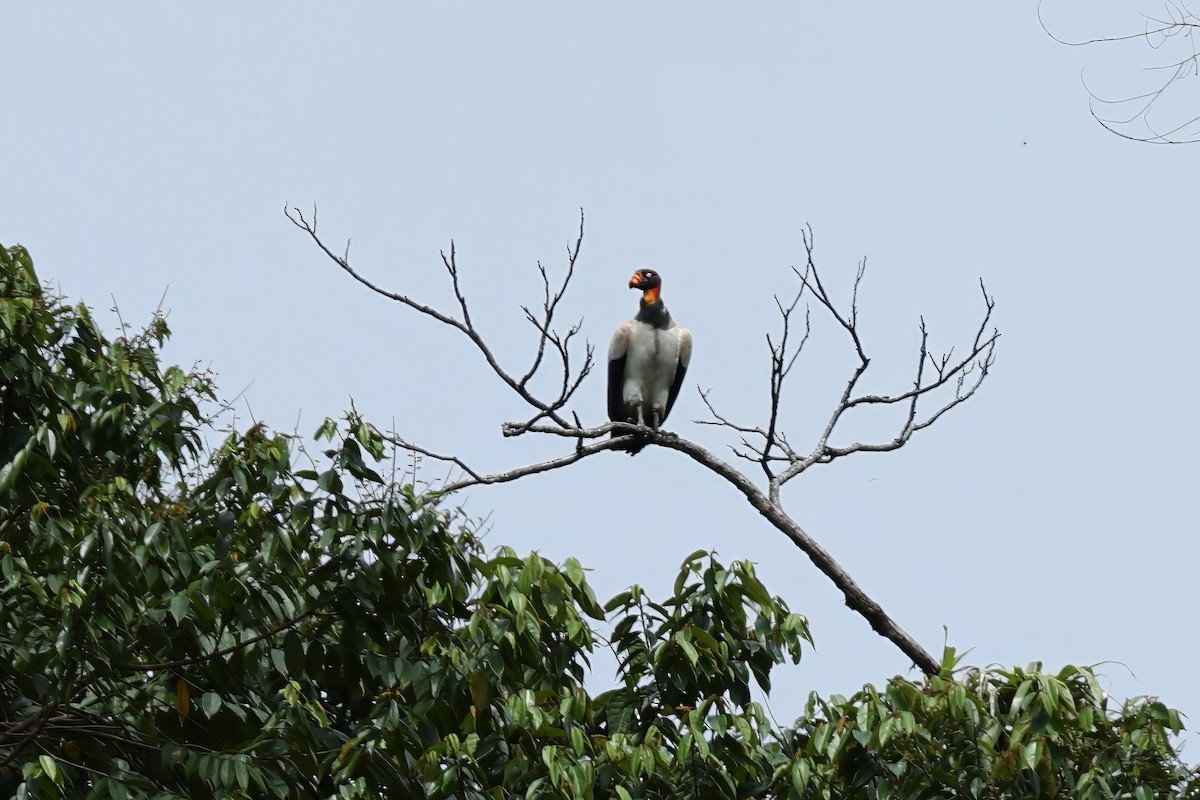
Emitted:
<point x="262" y="621"/>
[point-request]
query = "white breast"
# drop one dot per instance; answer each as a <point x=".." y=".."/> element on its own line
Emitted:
<point x="650" y="363"/>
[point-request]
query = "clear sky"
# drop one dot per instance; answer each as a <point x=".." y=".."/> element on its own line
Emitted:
<point x="148" y="146"/>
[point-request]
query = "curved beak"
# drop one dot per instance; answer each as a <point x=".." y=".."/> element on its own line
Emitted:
<point x="636" y="281"/>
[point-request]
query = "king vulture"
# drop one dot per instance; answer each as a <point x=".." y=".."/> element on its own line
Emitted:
<point x="647" y="359"/>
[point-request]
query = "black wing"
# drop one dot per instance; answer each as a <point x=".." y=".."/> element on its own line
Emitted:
<point x="685" y="358"/>
<point x="616" y="384"/>
<point x="676" y="385"/>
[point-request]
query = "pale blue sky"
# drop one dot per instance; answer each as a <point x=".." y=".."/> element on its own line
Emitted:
<point x="150" y="145"/>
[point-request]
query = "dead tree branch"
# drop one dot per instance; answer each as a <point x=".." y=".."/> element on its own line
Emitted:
<point x="766" y="445"/>
<point x="570" y="382"/>
<point x="1175" y="28"/>
<point x="966" y="374"/>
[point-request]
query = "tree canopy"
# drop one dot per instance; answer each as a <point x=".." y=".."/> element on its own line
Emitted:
<point x="187" y="613"/>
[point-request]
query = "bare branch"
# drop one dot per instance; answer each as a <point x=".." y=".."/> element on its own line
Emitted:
<point x="550" y="304"/>
<point x="449" y="261"/>
<point x="811" y="278"/>
<point x="720" y="420"/>
<point x="781" y="365"/>
<point x="581" y="452"/>
<point x="945" y="372"/>
<point x="570" y="381"/>
<point x="1180" y="23"/>
<point x="981" y="357"/>
<point x="766" y="445"/>
<point x="404" y="444"/>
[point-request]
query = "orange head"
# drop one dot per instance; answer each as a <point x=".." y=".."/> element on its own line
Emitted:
<point x="648" y="281"/>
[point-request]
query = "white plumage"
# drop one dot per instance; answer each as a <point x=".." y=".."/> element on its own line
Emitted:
<point x="647" y="360"/>
<point x="653" y="358"/>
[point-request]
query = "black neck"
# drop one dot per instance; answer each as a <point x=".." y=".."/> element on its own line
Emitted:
<point x="654" y="314"/>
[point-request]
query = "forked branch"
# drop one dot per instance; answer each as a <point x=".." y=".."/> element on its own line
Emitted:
<point x="1174" y="28"/>
<point x="545" y="409"/>
<point x="769" y="447"/>
<point x="765" y="444"/>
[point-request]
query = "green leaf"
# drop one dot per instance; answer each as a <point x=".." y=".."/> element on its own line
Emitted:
<point x="210" y="703"/>
<point x="327" y="431"/>
<point x="11" y="471"/>
<point x="1029" y="754"/>
<point x="50" y="441"/>
<point x="280" y="661"/>
<point x="179" y="606"/>
<point x="151" y="533"/>
<point x="684" y="640"/>
<point x="1049" y="692"/>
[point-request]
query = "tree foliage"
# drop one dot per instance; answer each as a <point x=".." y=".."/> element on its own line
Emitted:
<point x="260" y="620"/>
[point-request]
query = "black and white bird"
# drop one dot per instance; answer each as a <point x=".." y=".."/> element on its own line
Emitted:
<point x="647" y="359"/>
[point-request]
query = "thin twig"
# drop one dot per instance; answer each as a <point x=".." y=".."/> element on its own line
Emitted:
<point x="1182" y="22"/>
